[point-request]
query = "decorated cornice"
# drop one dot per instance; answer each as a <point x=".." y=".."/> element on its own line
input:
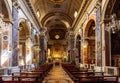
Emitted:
<point x="7" y="20"/>
<point x="52" y="14"/>
<point x="81" y="12"/>
<point x="33" y="11"/>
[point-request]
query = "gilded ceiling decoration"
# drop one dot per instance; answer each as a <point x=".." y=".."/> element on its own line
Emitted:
<point x="57" y="34"/>
<point x="57" y="16"/>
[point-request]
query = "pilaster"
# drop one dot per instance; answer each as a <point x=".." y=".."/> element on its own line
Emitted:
<point x="103" y="43"/>
<point x="71" y="45"/>
<point x="98" y="35"/>
<point x="43" y="45"/>
<point x="15" y="33"/>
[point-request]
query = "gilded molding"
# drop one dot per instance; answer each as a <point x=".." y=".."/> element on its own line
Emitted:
<point x="102" y="22"/>
<point x="7" y="20"/>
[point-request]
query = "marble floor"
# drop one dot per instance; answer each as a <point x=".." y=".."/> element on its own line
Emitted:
<point x="57" y="75"/>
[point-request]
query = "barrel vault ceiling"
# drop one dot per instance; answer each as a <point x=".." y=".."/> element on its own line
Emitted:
<point x="56" y="16"/>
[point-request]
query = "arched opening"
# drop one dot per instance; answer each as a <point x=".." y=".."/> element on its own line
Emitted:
<point x="89" y="43"/>
<point x="112" y="33"/>
<point x="24" y="44"/>
<point x="115" y="37"/>
<point x="115" y="48"/>
<point x="78" y="48"/>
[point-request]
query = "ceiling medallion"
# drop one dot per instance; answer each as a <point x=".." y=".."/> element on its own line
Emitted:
<point x="57" y="1"/>
<point x="57" y="36"/>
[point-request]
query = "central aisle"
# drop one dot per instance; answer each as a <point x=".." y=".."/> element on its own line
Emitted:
<point x="57" y="75"/>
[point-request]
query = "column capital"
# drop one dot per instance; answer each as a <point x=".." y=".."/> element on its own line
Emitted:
<point x="15" y="4"/>
<point x="71" y="34"/>
<point x="43" y="32"/>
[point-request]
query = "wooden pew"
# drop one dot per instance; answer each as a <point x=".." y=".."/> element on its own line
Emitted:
<point x="43" y="70"/>
<point x="19" y="78"/>
<point x="71" y="68"/>
<point x="78" y="76"/>
<point x="38" y="76"/>
<point x="96" y="79"/>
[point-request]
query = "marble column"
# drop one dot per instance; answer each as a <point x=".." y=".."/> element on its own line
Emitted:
<point x="99" y="36"/>
<point x="33" y="42"/>
<point x="81" y="45"/>
<point x="43" y="46"/>
<point x="103" y="43"/>
<point x="15" y="33"/>
<point x="71" y="46"/>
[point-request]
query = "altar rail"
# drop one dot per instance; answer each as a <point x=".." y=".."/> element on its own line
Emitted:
<point x="9" y="70"/>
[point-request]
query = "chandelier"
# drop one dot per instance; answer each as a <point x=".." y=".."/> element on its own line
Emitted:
<point x="114" y="24"/>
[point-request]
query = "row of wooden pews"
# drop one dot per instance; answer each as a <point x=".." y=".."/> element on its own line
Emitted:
<point x="81" y="75"/>
<point x="29" y="76"/>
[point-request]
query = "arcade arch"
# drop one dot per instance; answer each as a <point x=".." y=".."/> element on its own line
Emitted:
<point x="24" y="44"/>
<point x="89" y="43"/>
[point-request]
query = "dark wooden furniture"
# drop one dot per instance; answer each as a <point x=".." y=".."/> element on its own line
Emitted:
<point x="87" y="76"/>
